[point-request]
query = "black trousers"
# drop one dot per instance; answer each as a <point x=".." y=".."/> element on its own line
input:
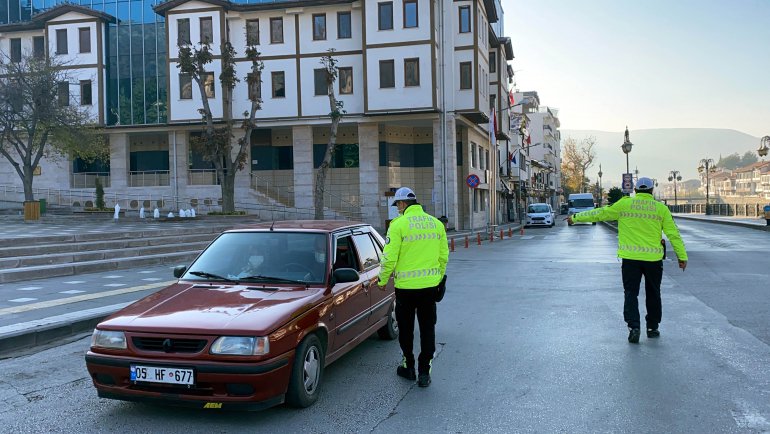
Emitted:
<point x="633" y="271"/>
<point x="423" y="303"/>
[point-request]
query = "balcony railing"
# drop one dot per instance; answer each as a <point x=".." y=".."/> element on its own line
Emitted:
<point x="152" y="178"/>
<point x="202" y="177"/>
<point x="88" y="179"/>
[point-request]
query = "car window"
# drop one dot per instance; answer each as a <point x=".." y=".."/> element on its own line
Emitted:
<point x="344" y="254"/>
<point x="538" y="209"/>
<point x="281" y="255"/>
<point x="367" y="254"/>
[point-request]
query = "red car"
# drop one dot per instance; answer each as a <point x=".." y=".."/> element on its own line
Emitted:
<point x="252" y="322"/>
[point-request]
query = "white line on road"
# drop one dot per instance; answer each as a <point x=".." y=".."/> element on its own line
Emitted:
<point x="97" y="311"/>
<point x="20" y="300"/>
<point x="78" y="298"/>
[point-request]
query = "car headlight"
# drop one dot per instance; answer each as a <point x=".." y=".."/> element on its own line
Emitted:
<point x="108" y="339"/>
<point x="241" y="345"/>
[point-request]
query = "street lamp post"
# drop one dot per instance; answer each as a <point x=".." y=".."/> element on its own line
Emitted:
<point x="600" y="184"/>
<point x="675" y="176"/>
<point x="626" y="147"/>
<point x="707" y="166"/>
<point x="764" y="146"/>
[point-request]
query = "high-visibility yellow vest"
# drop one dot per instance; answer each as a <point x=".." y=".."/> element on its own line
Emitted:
<point x="416" y="251"/>
<point x="640" y="221"/>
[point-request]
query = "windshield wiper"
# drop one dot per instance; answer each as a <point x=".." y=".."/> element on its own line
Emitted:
<point x="211" y="276"/>
<point x="273" y="279"/>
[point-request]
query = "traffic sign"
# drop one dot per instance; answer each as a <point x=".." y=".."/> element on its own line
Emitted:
<point x="627" y="186"/>
<point x="472" y="180"/>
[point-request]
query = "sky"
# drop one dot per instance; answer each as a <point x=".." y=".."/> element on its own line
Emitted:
<point x="646" y="64"/>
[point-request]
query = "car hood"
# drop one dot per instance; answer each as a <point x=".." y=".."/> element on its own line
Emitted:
<point x="187" y="308"/>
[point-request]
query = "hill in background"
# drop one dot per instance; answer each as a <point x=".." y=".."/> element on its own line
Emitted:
<point x="658" y="151"/>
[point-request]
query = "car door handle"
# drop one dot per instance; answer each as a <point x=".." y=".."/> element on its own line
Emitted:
<point x="366" y="285"/>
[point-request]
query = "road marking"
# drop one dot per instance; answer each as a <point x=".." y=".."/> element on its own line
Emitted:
<point x="21" y="300"/>
<point x="115" y="285"/>
<point x="147" y="271"/>
<point x="75" y="282"/>
<point x="72" y="291"/>
<point x="112" y="277"/>
<point x="29" y="288"/>
<point x="13" y="329"/>
<point x="79" y="298"/>
<point x="152" y="279"/>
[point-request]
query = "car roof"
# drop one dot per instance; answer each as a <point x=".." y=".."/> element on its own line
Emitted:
<point x="540" y="203"/>
<point x="321" y="226"/>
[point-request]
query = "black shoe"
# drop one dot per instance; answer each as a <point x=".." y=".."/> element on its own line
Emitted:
<point x="407" y="373"/>
<point x="423" y="380"/>
<point x="633" y="335"/>
<point x="653" y="333"/>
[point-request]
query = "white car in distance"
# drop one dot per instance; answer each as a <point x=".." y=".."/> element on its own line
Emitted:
<point x="540" y="214"/>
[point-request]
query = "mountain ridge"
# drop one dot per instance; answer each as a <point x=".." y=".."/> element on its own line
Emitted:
<point x="657" y="151"/>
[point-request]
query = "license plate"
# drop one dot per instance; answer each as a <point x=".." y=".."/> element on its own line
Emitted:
<point x="155" y="374"/>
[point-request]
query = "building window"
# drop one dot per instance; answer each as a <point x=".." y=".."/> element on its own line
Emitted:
<point x="346" y="80"/>
<point x="276" y="30"/>
<point x="63" y="93"/>
<point x="410" y="13"/>
<point x="252" y="32"/>
<point x="15" y="50"/>
<point x="254" y="81"/>
<point x="412" y="72"/>
<point x="319" y="78"/>
<point x="207" y="30"/>
<point x="466" y="75"/>
<point x="492" y="101"/>
<point x="343" y="25"/>
<point x="465" y="19"/>
<point x="319" y="27"/>
<point x="85" y="92"/>
<point x="61" y="41"/>
<point x="38" y="47"/>
<point x="183" y="31"/>
<point x="279" y="84"/>
<point x="185" y="86"/>
<point x="385" y="14"/>
<point x="387" y="74"/>
<point x="84" y="36"/>
<point x="492" y="62"/>
<point x="208" y="84"/>
<point x="474" y="155"/>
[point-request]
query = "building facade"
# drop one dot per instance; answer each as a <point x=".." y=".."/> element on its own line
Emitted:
<point x="425" y="85"/>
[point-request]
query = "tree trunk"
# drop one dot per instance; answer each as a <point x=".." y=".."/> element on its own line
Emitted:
<point x="27" y="181"/>
<point x="228" y="192"/>
<point x="320" y="179"/>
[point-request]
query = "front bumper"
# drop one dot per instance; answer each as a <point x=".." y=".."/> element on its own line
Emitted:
<point x="218" y="385"/>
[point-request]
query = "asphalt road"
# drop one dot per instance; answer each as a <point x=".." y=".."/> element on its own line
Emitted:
<point x="531" y="339"/>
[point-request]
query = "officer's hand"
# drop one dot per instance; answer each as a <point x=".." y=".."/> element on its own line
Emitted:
<point x="382" y="287"/>
<point x="569" y="220"/>
<point x="682" y="264"/>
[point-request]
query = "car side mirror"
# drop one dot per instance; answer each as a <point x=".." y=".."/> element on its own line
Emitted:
<point x="179" y="270"/>
<point x="345" y="275"/>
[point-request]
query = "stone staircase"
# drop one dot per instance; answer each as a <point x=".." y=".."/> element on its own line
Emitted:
<point x="46" y="256"/>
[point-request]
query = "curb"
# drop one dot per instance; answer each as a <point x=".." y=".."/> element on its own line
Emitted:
<point x="726" y="222"/>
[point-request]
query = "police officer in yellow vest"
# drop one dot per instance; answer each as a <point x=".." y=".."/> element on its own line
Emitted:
<point x="640" y="221"/>
<point x="416" y="254"/>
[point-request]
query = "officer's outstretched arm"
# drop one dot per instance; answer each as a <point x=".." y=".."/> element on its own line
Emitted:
<point x="390" y="254"/>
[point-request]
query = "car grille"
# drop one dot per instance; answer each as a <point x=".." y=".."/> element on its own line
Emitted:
<point x="538" y="218"/>
<point x="169" y="345"/>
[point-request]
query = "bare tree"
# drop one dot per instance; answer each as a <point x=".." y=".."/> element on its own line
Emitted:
<point x="336" y="113"/>
<point x="216" y="141"/>
<point x="577" y="158"/>
<point x="37" y="119"/>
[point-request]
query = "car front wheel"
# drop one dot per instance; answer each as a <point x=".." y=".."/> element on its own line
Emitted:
<point x="390" y="330"/>
<point x="306" y="373"/>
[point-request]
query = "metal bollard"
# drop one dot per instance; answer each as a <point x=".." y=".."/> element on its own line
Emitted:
<point x="466" y="241"/>
<point x="501" y="234"/>
<point x="452" y="245"/>
<point x="478" y="238"/>
<point x="510" y="232"/>
<point x="491" y="236"/>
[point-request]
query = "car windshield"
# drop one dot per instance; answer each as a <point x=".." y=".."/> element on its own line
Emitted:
<point x="275" y="257"/>
<point x="583" y="203"/>
<point x="538" y="209"/>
